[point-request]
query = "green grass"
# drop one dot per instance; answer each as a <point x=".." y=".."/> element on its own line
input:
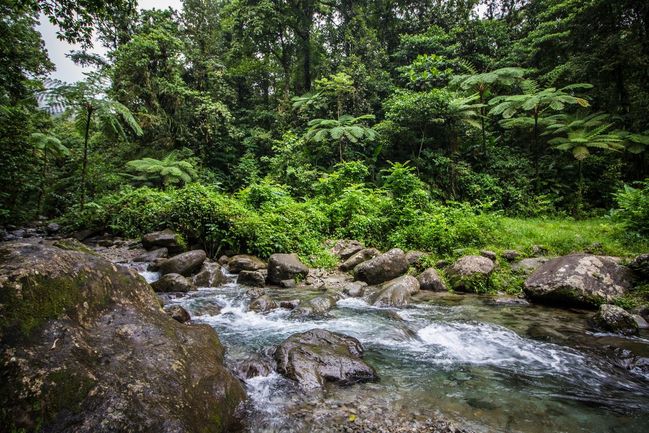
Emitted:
<point x="564" y="236"/>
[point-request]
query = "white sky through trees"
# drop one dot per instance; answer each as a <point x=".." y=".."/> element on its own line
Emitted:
<point x="66" y="70"/>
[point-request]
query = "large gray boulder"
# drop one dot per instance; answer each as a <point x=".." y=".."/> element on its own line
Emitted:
<point x="382" y="268"/>
<point x="251" y="278"/>
<point x="183" y="264"/>
<point x="579" y="279"/>
<point x="358" y="258"/>
<point x="150" y="256"/>
<point x="210" y="275"/>
<point x="315" y="308"/>
<point x="163" y="239"/>
<point x="470" y="273"/>
<point x="172" y="283"/>
<point x="86" y="348"/>
<point x="430" y="280"/>
<point x="615" y="319"/>
<point x="396" y="292"/>
<point x="244" y="262"/>
<point x="263" y="304"/>
<point x="285" y="267"/>
<point x="314" y="357"/>
<point x="527" y="266"/>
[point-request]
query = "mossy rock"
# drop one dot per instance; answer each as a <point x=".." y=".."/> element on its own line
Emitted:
<point x="92" y="351"/>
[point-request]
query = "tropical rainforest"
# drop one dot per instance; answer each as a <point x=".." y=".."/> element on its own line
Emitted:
<point x="266" y="125"/>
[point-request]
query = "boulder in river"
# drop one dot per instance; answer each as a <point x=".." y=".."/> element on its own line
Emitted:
<point x="173" y="283"/>
<point x="430" y="280"/>
<point x="183" y="264"/>
<point x="470" y="273"/>
<point x="150" y="256"/>
<point x="354" y="289"/>
<point x="615" y="319"/>
<point x="579" y="279"/>
<point x="263" y="304"/>
<point x="396" y="292"/>
<point x="285" y="267"/>
<point x="210" y="275"/>
<point x="383" y="267"/>
<point x="178" y="313"/>
<point x="245" y="262"/>
<point x="251" y="278"/>
<point x="316" y="307"/>
<point x="358" y="258"/>
<point x="346" y="248"/>
<point x="92" y="351"/>
<point x="163" y="239"/>
<point x="253" y="366"/>
<point x="317" y="356"/>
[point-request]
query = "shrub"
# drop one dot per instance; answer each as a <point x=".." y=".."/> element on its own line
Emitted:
<point x="633" y="208"/>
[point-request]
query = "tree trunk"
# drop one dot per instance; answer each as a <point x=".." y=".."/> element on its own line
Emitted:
<point x="41" y="192"/>
<point x="84" y="166"/>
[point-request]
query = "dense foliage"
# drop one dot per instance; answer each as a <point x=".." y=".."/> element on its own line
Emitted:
<point x="271" y="125"/>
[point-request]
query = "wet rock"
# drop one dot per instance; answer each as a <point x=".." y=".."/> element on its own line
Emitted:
<point x="346" y="248"/>
<point x="285" y="267"/>
<point x="382" y="268"/>
<point x="253" y="366"/>
<point x="316" y="307"/>
<point x="508" y="301"/>
<point x="244" y="262"/>
<point x="430" y="280"/>
<point x="154" y="266"/>
<point x="91" y="340"/>
<point x="71" y="244"/>
<point x="414" y="257"/>
<point x="396" y="292"/>
<point x="511" y="255"/>
<point x="163" y="239"/>
<point x="288" y="284"/>
<point x="178" y="313"/>
<point x="358" y="258"/>
<point x="150" y="256"/>
<point x="183" y="264"/>
<point x="640" y="265"/>
<point x="579" y="279"/>
<point x="210" y="275"/>
<point x="223" y="260"/>
<point x="640" y="321"/>
<point x="527" y="266"/>
<point x="255" y="292"/>
<point x="173" y="283"/>
<point x="470" y="273"/>
<point x="314" y="357"/>
<point x="290" y="305"/>
<point x="52" y="228"/>
<point x="488" y="254"/>
<point x="251" y="278"/>
<point x="355" y="289"/>
<point x="263" y="304"/>
<point x="615" y="319"/>
<point x="642" y="311"/>
<point x="206" y="308"/>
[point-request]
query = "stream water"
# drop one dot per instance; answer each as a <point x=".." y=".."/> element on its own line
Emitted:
<point x="491" y="368"/>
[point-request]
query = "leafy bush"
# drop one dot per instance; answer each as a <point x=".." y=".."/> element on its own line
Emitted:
<point x="633" y="208"/>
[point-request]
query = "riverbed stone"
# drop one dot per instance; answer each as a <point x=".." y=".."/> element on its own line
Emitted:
<point x="150" y="256"/>
<point x="251" y="278"/>
<point x="615" y="319"/>
<point x="640" y="265"/>
<point x="253" y="366"/>
<point x="396" y="292"/>
<point x="90" y="339"/>
<point x="430" y="280"/>
<point x="414" y="258"/>
<point x="210" y="275"/>
<point x="183" y="264"/>
<point x="314" y="308"/>
<point x="470" y="273"/>
<point x="163" y="239"/>
<point x="358" y="258"/>
<point x="317" y="356"/>
<point x="245" y="262"/>
<point x="178" y="313"/>
<point x="354" y="289"/>
<point x="579" y="279"/>
<point x="285" y="267"/>
<point x="383" y="267"/>
<point x="263" y="304"/>
<point x="346" y="248"/>
<point x="173" y="283"/>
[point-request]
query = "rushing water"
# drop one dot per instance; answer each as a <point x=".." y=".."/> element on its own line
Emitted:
<point x="493" y="368"/>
